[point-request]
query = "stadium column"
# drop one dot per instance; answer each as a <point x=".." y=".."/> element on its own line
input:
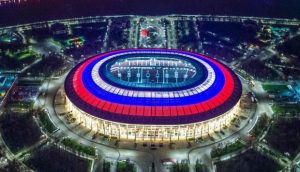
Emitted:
<point x="155" y="131"/>
<point x="119" y="128"/>
<point x="170" y="134"/>
<point x="143" y="133"/>
<point x="186" y="132"/>
<point x="135" y="130"/>
<point x="85" y="119"/>
<point x="91" y="123"/>
<point x="127" y="131"/>
<point x="178" y="131"/>
<point x="98" y="124"/>
<point x="215" y="124"/>
<point x="111" y="129"/>
<point x="163" y="133"/>
<point x="194" y="134"/>
<point x="81" y="115"/>
<point x="201" y="130"/>
<point x="103" y="125"/>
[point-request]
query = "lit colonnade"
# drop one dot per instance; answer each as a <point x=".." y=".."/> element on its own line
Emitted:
<point x="153" y="132"/>
<point x="191" y="104"/>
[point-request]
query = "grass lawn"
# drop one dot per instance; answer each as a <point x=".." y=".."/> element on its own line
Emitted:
<point x="282" y="109"/>
<point x="227" y="149"/>
<point x="25" y="54"/>
<point x="275" y="88"/>
<point x="18" y="104"/>
<point x="180" y="167"/>
<point x="123" y="166"/>
<point x="47" y="123"/>
<point x="73" y="144"/>
<point x="21" y="55"/>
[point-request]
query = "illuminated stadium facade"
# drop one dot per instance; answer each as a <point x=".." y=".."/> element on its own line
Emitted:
<point x="153" y="94"/>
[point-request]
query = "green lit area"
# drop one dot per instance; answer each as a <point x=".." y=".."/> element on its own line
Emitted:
<point x="9" y="38"/>
<point x="75" y="42"/>
<point x="275" y="87"/>
<point x="21" y="55"/>
<point x="6" y="39"/>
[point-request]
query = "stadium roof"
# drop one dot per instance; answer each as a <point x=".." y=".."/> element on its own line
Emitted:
<point x="199" y="101"/>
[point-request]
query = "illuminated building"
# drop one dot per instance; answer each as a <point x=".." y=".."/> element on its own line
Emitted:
<point x="153" y="94"/>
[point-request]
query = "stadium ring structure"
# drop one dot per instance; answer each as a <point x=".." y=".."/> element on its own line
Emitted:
<point x="153" y="94"/>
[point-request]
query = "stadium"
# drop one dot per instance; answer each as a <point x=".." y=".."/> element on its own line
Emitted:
<point x="153" y="94"/>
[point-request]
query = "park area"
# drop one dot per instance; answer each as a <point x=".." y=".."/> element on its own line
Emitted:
<point x="24" y="134"/>
<point x="48" y="66"/>
<point x="17" y="60"/>
<point x="260" y="71"/>
<point x="250" y="161"/>
<point x="60" y="159"/>
<point x="284" y="136"/>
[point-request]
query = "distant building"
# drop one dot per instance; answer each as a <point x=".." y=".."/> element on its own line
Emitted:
<point x="7" y="83"/>
<point x="59" y="29"/>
